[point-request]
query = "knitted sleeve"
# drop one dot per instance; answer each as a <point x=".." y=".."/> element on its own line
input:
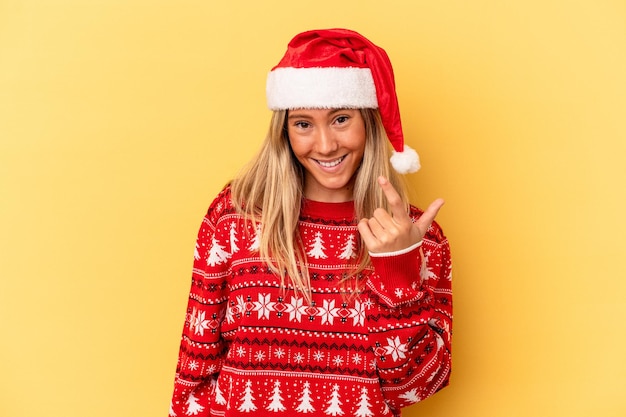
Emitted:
<point x="202" y="348"/>
<point x="411" y="326"/>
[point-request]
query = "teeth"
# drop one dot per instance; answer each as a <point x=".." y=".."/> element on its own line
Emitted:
<point x="330" y="164"/>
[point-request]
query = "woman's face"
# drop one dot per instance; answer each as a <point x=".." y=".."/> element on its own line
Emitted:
<point x="329" y="143"/>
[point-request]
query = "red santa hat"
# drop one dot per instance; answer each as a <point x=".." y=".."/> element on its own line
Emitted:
<point x="339" y="68"/>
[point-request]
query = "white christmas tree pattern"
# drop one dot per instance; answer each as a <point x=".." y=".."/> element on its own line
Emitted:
<point x="217" y="254"/>
<point x="219" y="396"/>
<point x="172" y="412"/>
<point x="233" y="238"/>
<point x="193" y="408"/>
<point x="196" y="253"/>
<point x="426" y="272"/>
<point x="305" y="405"/>
<point x="410" y="396"/>
<point x="334" y="404"/>
<point x="256" y="240"/>
<point x="317" y="247"/>
<point x="277" y="401"/>
<point x="364" y="409"/>
<point x="247" y="405"/>
<point x="349" y="249"/>
<point x="230" y="392"/>
<point x="440" y="345"/>
<point x="433" y="375"/>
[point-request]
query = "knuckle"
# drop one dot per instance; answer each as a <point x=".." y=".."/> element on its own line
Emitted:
<point x="385" y="239"/>
<point x="394" y="199"/>
<point x="379" y="212"/>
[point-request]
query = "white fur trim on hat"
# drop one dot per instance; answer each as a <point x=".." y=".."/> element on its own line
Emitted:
<point x="317" y="87"/>
<point x="406" y="161"/>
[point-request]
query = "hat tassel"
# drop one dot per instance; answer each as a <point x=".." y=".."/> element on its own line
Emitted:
<point x="406" y="161"/>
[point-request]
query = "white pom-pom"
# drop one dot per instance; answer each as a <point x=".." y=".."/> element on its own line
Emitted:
<point x="406" y="161"/>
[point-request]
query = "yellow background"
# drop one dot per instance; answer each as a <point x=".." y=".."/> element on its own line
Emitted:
<point x="121" y="119"/>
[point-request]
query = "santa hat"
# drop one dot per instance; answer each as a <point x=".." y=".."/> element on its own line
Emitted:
<point x="339" y="68"/>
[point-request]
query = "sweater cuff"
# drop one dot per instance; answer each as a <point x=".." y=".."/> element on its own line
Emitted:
<point x="400" y="269"/>
<point x="396" y="253"/>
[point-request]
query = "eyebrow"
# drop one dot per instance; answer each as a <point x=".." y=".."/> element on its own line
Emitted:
<point x="294" y="113"/>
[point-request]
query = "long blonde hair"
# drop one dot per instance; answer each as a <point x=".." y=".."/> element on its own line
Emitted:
<point x="269" y="191"/>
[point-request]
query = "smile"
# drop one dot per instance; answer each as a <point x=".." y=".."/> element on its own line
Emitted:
<point x="330" y="164"/>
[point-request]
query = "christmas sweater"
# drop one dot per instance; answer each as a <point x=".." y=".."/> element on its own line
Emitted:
<point x="250" y="346"/>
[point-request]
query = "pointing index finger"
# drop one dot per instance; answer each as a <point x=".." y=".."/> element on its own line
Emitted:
<point x="395" y="202"/>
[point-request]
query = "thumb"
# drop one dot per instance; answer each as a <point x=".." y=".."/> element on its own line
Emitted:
<point x="424" y="222"/>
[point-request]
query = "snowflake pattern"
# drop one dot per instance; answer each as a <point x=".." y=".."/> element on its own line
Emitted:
<point x="328" y="315"/>
<point x="338" y="360"/>
<point x="199" y="322"/>
<point x="296" y="309"/>
<point x="264" y="306"/>
<point x="328" y="312"/>
<point x="230" y="315"/>
<point x="396" y="349"/>
<point x="279" y="353"/>
<point x="193" y="365"/>
<point x="358" y="313"/>
<point x="241" y="351"/>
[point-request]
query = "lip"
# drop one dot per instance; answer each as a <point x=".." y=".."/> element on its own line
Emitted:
<point x="330" y="164"/>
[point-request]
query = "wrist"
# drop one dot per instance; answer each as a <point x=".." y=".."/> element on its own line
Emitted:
<point x="397" y="252"/>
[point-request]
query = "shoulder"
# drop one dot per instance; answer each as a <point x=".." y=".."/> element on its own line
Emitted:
<point x="434" y="233"/>
<point x="221" y="205"/>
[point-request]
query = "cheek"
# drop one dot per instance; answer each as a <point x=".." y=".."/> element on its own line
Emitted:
<point x="298" y="147"/>
<point x="358" y="136"/>
<point x="293" y="144"/>
<point x="358" y="142"/>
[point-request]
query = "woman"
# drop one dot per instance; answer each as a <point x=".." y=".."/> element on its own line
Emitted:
<point x="317" y="289"/>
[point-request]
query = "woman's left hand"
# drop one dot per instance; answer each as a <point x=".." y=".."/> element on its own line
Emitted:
<point x="390" y="232"/>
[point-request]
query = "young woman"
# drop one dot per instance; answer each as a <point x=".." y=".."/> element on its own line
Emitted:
<point x="317" y="289"/>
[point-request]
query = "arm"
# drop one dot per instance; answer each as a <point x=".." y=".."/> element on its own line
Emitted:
<point x="202" y="349"/>
<point x="411" y="326"/>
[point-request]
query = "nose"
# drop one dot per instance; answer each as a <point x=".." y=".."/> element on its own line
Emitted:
<point x="326" y="142"/>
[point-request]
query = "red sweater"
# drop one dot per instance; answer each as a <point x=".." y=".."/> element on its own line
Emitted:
<point x="249" y="348"/>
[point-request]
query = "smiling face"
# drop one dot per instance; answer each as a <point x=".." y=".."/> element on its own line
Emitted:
<point x="329" y="143"/>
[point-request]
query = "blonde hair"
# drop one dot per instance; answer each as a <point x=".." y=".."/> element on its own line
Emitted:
<point x="269" y="191"/>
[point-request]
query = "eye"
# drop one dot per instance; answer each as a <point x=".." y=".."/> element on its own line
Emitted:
<point x="302" y="124"/>
<point x="342" y="119"/>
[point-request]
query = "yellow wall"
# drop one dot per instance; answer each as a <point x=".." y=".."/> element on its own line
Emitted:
<point x="120" y="120"/>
